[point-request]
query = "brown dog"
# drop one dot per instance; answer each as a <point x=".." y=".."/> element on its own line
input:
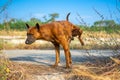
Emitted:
<point x="59" y="33"/>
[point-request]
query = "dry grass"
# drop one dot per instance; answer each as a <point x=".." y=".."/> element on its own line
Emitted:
<point x="100" y="34"/>
<point x="11" y="71"/>
<point x="9" y="46"/>
<point x="12" y="33"/>
<point x="92" y="40"/>
<point x="98" y="72"/>
<point x="86" y="34"/>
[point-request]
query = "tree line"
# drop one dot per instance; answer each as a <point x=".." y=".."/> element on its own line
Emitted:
<point x="19" y="24"/>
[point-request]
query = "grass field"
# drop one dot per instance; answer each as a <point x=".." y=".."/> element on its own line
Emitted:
<point x="92" y="40"/>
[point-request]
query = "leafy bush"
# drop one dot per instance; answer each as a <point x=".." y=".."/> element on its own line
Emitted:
<point x="109" y="29"/>
<point x="1" y="44"/>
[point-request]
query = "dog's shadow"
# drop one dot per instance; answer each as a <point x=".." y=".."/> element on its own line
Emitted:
<point x="49" y="59"/>
<point x="46" y="59"/>
<point x="39" y="59"/>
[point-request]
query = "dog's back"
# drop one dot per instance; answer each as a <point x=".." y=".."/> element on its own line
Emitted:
<point x="58" y="28"/>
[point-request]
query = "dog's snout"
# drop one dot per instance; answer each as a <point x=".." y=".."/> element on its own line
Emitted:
<point x="29" y="41"/>
<point x="26" y="42"/>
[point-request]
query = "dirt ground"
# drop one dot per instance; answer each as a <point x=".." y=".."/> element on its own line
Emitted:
<point x="100" y="69"/>
<point x="42" y="72"/>
<point x="84" y="71"/>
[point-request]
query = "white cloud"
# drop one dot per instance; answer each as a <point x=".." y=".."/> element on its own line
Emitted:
<point x="86" y="17"/>
<point x="38" y="15"/>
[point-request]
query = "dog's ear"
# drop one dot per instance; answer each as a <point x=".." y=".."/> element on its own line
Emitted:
<point x="37" y="26"/>
<point x="27" y="26"/>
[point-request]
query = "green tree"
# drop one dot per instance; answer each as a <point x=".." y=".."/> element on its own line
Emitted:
<point x="53" y="16"/>
<point x="35" y="20"/>
<point x="17" y="24"/>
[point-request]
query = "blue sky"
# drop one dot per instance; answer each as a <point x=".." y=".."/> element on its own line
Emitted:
<point x="25" y="9"/>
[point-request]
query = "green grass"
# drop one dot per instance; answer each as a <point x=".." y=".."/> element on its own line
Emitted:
<point x="1" y="44"/>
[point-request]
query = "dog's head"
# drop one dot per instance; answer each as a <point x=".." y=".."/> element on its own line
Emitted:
<point x="32" y="33"/>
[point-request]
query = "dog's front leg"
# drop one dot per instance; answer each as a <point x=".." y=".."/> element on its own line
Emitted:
<point x="65" y="45"/>
<point x="57" y="51"/>
<point x="67" y="56"/>
<point x="70" y="58"/>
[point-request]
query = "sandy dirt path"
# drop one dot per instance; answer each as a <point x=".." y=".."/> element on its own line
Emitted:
<point x="47" y="57"/>
<point x="37" y="62"/>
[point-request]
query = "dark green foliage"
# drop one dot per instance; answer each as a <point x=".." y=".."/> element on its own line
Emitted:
<point x="53" y="16"/>
<point x="1" y="26"/>
<point x="108" y="26"/>
<point x="109" y="29"/>
<point x="17" y="24"/>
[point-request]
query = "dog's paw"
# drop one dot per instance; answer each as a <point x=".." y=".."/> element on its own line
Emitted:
<point x="54" y="66"/>
<point x="69" y="66"/>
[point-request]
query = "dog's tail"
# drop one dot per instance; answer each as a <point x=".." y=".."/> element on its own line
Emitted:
<point x="67" y="16"/>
